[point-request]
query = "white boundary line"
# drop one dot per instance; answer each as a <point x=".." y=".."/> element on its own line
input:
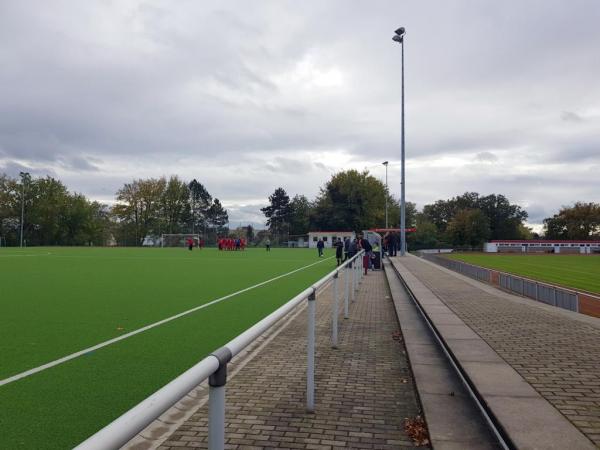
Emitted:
<point x="56" y="362"/>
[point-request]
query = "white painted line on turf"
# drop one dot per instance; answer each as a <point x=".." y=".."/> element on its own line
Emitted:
<point x="56" y="362"/>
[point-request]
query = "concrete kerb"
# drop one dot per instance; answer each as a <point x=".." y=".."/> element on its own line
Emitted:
<point x="524" y="415"/>
<point x="452" y="418"/>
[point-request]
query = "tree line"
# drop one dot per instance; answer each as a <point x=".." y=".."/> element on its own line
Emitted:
<point x="145" y="207"/>
<point x="350" y="200"/>
<point x="355" y="201"/>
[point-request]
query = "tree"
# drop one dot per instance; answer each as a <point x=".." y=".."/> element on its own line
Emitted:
<point x="138" y="209"/>
<point x="468" y="227"/>
<point x="394" y="212"/>
<point x="299" y="219"/>
<point x="505" y="220"/>
<point x="350" y="200"/>
<point x="249" y="233"/>
<point x="217" y="216"/>
<point x="47" y="206"/>
<point x="426" y="235"/>
<point x="580" y="221"/>
<point x="175" y="205"/>
<point x="278" y="212"/>
<point x="53" y="215"/>
<point x="200" y="202"/>
<point x="10" y="209"/>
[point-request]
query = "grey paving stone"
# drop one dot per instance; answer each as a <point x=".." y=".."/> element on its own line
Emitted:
<point x="437" y="379"/>
<point x="537" y="426"/>
<point x="473" y="350"/>
<point x="446" y="319"/>
<point x="425" y="354"/>
<point x="552" y="350"/>
<point x="364" y="388"/>
<point x="451" y="427"/>
<point x="456" y="332"/>
<point x="498" y="378"/>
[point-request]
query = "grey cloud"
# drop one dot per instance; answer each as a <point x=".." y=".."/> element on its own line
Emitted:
<point x="202" y="89"/>
<point x="486" y="157"/>
<point x="242" y="215"/>
<point x="570" y="116"/>
<point x="538" y="212"/>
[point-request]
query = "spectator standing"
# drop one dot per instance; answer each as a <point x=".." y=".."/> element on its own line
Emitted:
<point x="339" y="248"/>
<point x="346" y="248"/>
<point x="268" y="244"/>
<point x="320" y="247"/>
<point x="366" y="246"/>
<point x="392" y="239"/>
<point x="352" y="248"/>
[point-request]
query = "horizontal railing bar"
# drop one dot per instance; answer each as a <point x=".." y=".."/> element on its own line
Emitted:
<point x="237" y="344"/>
<point x="126" y="427"/>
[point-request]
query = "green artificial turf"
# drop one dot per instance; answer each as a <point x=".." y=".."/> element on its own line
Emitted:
<point x="56" y="301"/>
<point x="573" y="271"/>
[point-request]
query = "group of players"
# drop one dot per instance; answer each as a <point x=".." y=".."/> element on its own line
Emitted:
<point x="231" y="244"/>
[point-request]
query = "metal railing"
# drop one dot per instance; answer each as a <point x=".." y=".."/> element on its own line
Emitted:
<point x="536" y="290"/>
<point x="214" y="367"/>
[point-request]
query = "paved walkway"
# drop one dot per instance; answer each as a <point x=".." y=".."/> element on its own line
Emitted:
<point x="556" y="353"/>
<point x="364" y="388"/>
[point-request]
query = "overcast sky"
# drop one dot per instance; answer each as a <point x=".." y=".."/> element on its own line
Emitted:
<point x="501" y="97"/>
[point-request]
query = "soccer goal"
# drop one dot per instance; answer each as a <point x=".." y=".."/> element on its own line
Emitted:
<point x="179" y="240"/>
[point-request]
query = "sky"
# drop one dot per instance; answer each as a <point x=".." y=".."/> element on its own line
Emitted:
<point x="501" y="97"/>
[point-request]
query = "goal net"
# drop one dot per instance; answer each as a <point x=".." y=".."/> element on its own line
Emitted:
<point x="179" y="240"/>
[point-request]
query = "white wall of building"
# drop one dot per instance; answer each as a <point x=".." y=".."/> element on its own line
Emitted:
<point x="327" y="236"/>
<point x="583" y="247"/>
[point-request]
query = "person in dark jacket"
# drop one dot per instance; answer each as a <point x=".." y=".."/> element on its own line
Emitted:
<point x="393" y="244"/>
<point x="368" y="248"/>
<point x="339" y="247"/>
<point x="346" y="248"/>
<point x="320" y="247"/>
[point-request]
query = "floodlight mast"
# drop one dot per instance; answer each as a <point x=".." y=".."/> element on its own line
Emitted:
<point x="23" y="176"/>
<point x="385" y="163"/>
<point x="399" y="37"/>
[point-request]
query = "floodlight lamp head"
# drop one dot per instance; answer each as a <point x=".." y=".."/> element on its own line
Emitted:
<point x="385" y="163"/>
<point x="398" y="38"/>
<point x="400" y="31"/>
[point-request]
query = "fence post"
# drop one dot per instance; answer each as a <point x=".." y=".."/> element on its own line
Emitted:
<point x="554" y="296"/>
<point x="354" y="262"/>
<point x="346" y="290"/>
<point x="335" y="311"/>
<point x="310" y="363"/>
<point x="216" y="401"/>
<point x="361" y="267"/>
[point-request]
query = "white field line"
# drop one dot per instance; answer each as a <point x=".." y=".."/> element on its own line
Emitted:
<point x="56" y="362"/>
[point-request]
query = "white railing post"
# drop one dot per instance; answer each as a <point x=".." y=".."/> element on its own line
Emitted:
<point x="335" y="312"/>
<point x="346" y="289"/>
<point x="214" y="367"/>
<point x="216" y="401"/>
<point x="361" y="267"/>
<point x="310" y="363"/>
<point x="216" y="418"/>
<point x="353" y="278"/>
